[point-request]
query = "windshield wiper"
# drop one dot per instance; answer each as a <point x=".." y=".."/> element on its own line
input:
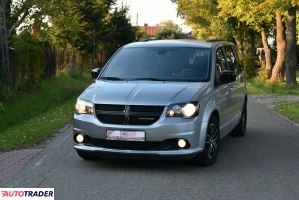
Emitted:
<point x="147" y="79"/>
<point x="112" y="78"/>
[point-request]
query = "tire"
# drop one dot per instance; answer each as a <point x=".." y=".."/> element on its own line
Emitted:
<point x="86" y="156"/>
<point x="209" y="155"/>
<point x="240" y="129"/>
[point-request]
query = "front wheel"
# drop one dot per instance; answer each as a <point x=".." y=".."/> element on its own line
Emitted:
<point x="209" y="155"/>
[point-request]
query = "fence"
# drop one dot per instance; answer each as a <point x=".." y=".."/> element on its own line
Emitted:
<point x="31" y="64"/>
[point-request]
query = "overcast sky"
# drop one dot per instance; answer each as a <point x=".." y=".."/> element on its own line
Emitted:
<point x="152" y="12"/>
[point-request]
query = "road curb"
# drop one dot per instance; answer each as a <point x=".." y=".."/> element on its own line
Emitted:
<point x="271" y="109"/>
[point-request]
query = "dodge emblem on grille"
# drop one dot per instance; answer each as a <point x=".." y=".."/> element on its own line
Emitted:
<point x="127" y="114"/>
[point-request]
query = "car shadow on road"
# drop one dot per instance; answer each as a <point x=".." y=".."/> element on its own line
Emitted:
<point x="165" y="164"/>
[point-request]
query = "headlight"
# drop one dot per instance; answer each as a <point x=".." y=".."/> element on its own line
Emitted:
<point x="83" y="107"/>
<point x="185" y="110"/>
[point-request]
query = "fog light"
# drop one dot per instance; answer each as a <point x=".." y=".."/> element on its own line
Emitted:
<point x="79" y="138"/>
<point x="170" y="113"/>
<point x="182" y="143"/>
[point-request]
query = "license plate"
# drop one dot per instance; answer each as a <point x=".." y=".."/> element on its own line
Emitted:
<point x="125" y="135"/>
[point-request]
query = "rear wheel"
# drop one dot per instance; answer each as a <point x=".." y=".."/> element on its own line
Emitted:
<point x="209" y="155"/>
<point x="86" y="155"/>
<point x="240" y="129"/>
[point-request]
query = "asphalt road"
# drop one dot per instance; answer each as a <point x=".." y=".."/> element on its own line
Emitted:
<point x="262" y="165"/>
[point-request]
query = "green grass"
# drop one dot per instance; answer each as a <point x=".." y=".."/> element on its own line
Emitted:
<point x="290" y="110"/>
<point x="255" y="86"/>
<point x="37" y="128"/>
<point x="35" y="115"/>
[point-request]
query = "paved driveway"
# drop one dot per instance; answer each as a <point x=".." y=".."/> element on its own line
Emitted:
<point x="262" y="165"/>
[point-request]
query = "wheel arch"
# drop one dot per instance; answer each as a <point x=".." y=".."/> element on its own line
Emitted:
<point x="216" y="114"/>
<point x="211" y="109"/>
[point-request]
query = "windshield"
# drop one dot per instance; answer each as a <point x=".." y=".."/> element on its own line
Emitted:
<point x="159" y="64"/>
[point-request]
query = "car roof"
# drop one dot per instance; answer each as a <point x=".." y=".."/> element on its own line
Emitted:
<point x="177" y="43"/>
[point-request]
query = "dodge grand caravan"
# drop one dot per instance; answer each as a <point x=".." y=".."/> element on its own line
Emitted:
<point x="171" y="98"/>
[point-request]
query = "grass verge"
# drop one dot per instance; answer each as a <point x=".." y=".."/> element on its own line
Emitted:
<point x="290" y="110"/>
<point x="35" y="115"/>
<point x="258" y="87"/>
<point x="37" y="128"/>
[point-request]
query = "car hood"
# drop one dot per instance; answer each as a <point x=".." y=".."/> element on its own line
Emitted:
<point x="141" y="93"/>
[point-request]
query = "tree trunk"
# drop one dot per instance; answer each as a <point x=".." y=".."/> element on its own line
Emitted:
<point x="5" y="61"/>
<point x="252" y="50"/>
<point x="277" y="72"/>
<point x="291" y="59"/>
<point x="239" y="43"/>
<point x="251" y="53"/>
<point x="267" y="52"/>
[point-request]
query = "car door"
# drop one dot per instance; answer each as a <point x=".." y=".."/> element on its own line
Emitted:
<point x="234" y="88"/>
<point x="240" y="80"/>
<point x="222" y="94"/>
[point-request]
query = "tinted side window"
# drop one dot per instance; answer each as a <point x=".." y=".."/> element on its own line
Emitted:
<point x="220" y="60"/>
<point x="231" y="59"/>
<point x="220" y="65"/>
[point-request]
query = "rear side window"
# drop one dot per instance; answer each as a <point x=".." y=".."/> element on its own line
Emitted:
<point x="231" y="59"/>
<point x="220" y="60"/>
<point x="221" y="65"/>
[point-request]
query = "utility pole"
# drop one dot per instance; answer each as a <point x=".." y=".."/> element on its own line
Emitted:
<point x="4" y="56"/>
<point x="94" y="48"/>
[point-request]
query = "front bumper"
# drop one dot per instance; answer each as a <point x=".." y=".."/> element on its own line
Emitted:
<point x="192" y="130"/>
<point x="137" y="153"/>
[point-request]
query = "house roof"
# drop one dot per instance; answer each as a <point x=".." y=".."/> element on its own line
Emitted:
<point x="152" y="30"/>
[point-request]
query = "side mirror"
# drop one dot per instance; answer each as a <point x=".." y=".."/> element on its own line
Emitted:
<point x="227" y="77"/>
<point x="95" y="73"/>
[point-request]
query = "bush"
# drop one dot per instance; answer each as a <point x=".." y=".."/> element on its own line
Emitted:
<point x="262" y="73"/>
<point x="28" y="61"/>
<point x="250" y="65"/>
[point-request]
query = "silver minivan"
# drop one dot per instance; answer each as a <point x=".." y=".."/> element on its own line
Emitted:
<point x="167" y="98"/>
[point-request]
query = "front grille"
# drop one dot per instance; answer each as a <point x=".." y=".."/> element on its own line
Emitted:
<point x="128" y="115"/>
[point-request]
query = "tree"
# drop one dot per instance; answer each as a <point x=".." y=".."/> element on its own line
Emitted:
<point x="5" y="61"/>
<point x="119" y="31"/>
<point x="277" y="73"/>
<point x="141" y="34"/>
<point x="203" y="16"/>
<point x="241" y="20"/>
<point x="267" y="49"/>
<point x="282" y="9"/>
<point x="212" y="19"/>
<point x="297" y="29"/>
<point x="291" y="58"/>
<point x="79" y="24"/>
<point x="169" y="30"/>
<point x="12" y="14"/>
<point x="254" y="15"/>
